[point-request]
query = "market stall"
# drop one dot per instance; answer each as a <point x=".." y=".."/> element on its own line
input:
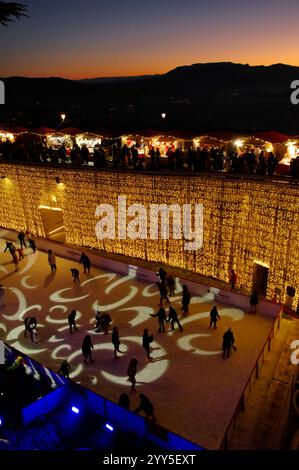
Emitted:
<point x="89" y="140"/>
<point x="292" y="150"/>
<point x="6" y="136"/>
<point x="216" y="139"/>
<point x="164" y="143"/>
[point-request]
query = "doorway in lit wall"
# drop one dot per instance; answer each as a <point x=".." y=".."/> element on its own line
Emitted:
<point x="260" y="278"/>
<point x="53" y="223"/>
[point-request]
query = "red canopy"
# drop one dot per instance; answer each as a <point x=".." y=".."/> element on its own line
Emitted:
<point x="43" y="130"/>
<point x="71" y="131"/>
<point x="15" y="130"/>
<point x="272" y="136"/>
<point x="225" y="136"/>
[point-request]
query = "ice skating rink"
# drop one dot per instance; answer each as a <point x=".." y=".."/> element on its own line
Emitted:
<point x="194" y="391"/>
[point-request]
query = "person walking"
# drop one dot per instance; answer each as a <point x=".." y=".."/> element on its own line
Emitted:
<point x="146" y="406"/>
<point x="162" y="275"/>
<point x="228" y="343"/>
<point x="232" y="279"/>
<point x="254" y="300"/>
<point x="87" y="348"/>
<point x="86" y="262"/>
<point x="115" y="341"/>
<point x="105" y="322"/>
<point x="161" y="314"/>
<point x="72" y="321"/>
<point x="64" y="369"/>
<point x="52" y="260"/>
<point x="132" y="370"/>
<point x="15" y="260"/>
<point x="97" y="327"/>
<point x="32" y="244"/>
<point x="185" y="300"/>
<point x="21" y="237"/>
<point x="20" y="253"/>
<point x="214" y="316"/>
<point x="170" y="284"/>
<point x="75" y="274"/>
<point x="10" y="247"/>
<point x="147" y="339"/>
<point x="173" y="318"/>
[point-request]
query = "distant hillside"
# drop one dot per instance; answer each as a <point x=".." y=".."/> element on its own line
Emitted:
<point x="197" y="97"/>
<point x="95" y="81"/>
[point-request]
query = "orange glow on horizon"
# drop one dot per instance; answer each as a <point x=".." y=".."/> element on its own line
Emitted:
<point x="157" y="69"/>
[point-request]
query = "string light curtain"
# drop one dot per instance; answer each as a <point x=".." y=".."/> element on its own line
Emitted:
<point x="244" y="221"/>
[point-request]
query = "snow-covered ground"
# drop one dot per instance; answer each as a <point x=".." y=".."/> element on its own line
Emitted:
<point x="194" y="390"/>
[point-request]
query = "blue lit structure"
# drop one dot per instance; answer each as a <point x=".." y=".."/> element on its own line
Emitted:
<point x="75" y="417"/>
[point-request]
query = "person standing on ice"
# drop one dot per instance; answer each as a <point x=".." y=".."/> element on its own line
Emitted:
<point x="147" y="339"/>
<point x="86" y="262"/>
<point x="52" y="260"/>
<point x="232" y="279"/>
<point x="132" y="370"/>
<point x="185" y="300"/>
<point x="171" y="285"/>
<point x="64" y="369"/>
<point x="161" y="314"/>
<point x="21" y="237"/>
<point x="163" y="293"/>
<point x="162" y="275"/>
<point x="87" y="348"/>
<point x="146" y="406"/>
<point x="32" y="244"/>
<point x="72" y="321"/>
<point x="115" y="341"/>
<point x="75" y="274"/>
<point x="173" y="318"/>
<point x="227" y="343"/>
<point x="214" y="316"/>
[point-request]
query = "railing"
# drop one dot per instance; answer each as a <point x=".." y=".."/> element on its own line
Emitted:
<point x="284" y="179"/>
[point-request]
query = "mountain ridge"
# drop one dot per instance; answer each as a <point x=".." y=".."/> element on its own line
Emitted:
<point x="217" y="95"/>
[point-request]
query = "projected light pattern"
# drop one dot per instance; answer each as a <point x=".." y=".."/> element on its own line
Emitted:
<point x="136" y="316"/>
<point x="181" y="361"/>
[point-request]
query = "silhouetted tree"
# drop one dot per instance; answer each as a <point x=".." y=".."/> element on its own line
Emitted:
<point x="11" y="11"/>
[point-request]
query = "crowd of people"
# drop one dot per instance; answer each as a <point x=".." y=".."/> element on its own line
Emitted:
<point x="208" y="159"/>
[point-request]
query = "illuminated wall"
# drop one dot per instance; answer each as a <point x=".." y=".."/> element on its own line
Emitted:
<point x="244" y="221"/>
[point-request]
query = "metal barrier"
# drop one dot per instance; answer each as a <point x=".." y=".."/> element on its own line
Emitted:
<point x="250" y="383"/>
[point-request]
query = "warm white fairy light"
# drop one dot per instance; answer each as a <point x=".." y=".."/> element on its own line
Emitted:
<point x="244" y="221"/>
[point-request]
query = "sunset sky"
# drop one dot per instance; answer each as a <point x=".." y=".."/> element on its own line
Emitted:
<point x="98" y="38"/>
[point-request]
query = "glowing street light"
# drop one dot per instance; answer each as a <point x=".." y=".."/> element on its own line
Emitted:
<point x="163" y="115"/>
<point x="63" y="116"/>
